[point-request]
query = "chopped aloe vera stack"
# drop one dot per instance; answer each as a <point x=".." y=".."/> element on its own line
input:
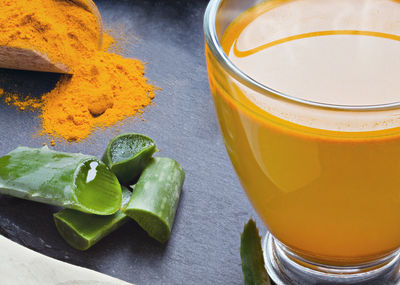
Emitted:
<point x="254" y="272"/>
<point x="69" y="180"/>
<point x="127" y="155"/>
<point x="81" y="230"/>
<point x="156" y="196"/>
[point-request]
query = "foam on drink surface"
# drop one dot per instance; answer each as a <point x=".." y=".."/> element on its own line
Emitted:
<point x="342" y="52"/>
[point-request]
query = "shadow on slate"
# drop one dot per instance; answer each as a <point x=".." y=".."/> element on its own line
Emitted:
<point x="31" y="224"/>
<point x="28" y="83"/>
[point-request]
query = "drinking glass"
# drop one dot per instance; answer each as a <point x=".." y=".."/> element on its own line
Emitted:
<point x="323" y="177"/>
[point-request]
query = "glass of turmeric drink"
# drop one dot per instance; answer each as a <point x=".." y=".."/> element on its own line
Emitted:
<point x="307" y="94"/>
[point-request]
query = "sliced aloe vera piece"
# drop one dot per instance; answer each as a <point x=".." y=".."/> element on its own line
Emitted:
<point x="156" y="196"/>
<point x="127" y="155"/>
<point x="69" y="180"/>
<point x="82" y="231"/>
<point x="254" y="272"/>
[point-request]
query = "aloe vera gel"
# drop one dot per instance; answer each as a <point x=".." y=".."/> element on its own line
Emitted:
<point x="69" y="180"/>
<point x="128" y="154"/>
<point x="82" y="231"/>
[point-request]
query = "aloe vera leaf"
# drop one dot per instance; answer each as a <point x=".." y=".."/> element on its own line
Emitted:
<point x="127" y="155"/>
<point x="156" y="196"/>
<point x="69" y="180"/>
<point x="253" y="268"/>
<point x="82" y="231"/>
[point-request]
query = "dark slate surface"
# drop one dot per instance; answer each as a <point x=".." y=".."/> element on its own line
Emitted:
<point x="204" y="247"/>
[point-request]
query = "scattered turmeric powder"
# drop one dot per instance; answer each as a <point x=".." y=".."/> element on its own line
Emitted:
<point x="104" y="88"/>
<point x="22" y="104"/>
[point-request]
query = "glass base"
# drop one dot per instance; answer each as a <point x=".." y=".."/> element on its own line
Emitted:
<point x="287" y="268"/>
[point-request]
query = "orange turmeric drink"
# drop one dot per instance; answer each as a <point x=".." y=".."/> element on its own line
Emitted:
<point x="308" y="108"/>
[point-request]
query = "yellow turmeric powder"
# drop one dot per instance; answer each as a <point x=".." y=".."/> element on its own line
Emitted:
<point x="104" y="88"/>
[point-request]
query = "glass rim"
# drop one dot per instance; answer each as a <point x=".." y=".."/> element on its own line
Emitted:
<point x="215" y="47"/>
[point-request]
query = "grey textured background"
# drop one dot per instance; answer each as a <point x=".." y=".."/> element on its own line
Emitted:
<point x="204" y="247"/>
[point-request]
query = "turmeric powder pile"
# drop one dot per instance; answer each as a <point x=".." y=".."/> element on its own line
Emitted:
<point x="104" y="88"/>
